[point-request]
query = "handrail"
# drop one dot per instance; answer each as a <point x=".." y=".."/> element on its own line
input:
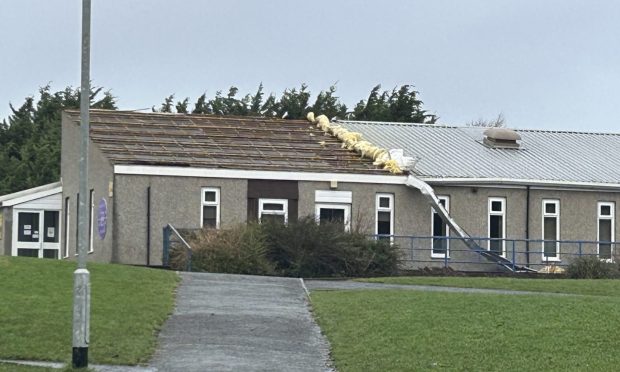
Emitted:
<point x="171" y="229"/>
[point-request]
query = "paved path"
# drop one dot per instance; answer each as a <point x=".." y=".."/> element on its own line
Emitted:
<point x="240" y="323"/>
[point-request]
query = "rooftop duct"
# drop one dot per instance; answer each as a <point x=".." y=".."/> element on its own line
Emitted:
<point x="501" y="138"/>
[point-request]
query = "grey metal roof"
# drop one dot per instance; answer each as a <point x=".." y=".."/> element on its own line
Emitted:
<point x="458" y="152"/>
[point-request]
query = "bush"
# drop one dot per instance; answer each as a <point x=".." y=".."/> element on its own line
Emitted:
<point x="241" y="250"/>
<point x="306" y="249"/>
<point x="591" y="267"/>
<point x="299" y="249"/>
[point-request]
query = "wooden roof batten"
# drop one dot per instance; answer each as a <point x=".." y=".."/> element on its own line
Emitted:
<point x="130" y="138"/>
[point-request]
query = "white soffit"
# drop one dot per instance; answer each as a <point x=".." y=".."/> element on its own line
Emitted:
<point x="328" y="196"/>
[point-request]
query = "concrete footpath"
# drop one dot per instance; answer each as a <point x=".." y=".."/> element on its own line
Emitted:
<point x="241" y="323"/>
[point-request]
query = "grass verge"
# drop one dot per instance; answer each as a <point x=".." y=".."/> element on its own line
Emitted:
<point x="594" y="287"/>
<point x="395" y="330"/>
<point x="128" y="307"/>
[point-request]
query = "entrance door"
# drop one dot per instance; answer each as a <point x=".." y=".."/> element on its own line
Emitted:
<point x="37" y="234"/>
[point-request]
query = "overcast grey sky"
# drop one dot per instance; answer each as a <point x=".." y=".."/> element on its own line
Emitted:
<point x="551" y="64"/>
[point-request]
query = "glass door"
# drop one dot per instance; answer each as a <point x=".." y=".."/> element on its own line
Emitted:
<point x="51" y="234"/>
<point x="38" y="234"/>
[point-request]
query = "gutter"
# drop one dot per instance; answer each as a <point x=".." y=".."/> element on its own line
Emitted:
<point x="519" y="182"/>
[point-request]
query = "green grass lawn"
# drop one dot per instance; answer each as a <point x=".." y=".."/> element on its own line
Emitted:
<point x="128" y="306"/>
<point x="595" y="287"/>
<point x="396" y="330"/>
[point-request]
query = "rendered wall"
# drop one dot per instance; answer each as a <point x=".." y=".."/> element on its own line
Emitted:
<point x="174" y="200"/>
<point x="101" y="173"/>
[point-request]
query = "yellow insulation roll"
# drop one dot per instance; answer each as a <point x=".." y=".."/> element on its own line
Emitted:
<point x="353" y="141"/>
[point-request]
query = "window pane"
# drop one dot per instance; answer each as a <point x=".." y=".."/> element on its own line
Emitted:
<point x="332" y="215"/>
<point x="550" y="208"/>
<point x="28" y="227"/>
<point x="439" y="230"/>
<point x="442" y="202"/>
<point x="439" y="227"/>
<point x="384" y="223"/>
<point x="551" y="228"/>
<point x="272" y="218"/>
<point x="496" y="231"/>
<point x="384" y="202"/>
<point x="50" y="226"/>
<point x="550" y="246"/>
<point x="604" y="235"/>
<point x="496" y="206"/>
<point x="273" y="207"/>
<point x="25" y="252"/>
<point x="50" y="253"/>
<point x="209" y="216"/>
<point x="605" y="210"/>
<point x="384" y="216"/>
<point x="210" y="196"/>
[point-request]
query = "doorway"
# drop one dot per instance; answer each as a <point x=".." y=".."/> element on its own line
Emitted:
<point x="36" y="233"/>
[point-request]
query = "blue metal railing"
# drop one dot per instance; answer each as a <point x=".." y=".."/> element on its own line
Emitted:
<point x="429" y="251"/>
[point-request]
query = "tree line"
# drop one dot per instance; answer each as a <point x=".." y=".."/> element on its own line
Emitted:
<point x="30" y="136"/>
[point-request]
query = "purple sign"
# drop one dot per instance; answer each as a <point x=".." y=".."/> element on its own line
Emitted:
<point x="102" y="218"/>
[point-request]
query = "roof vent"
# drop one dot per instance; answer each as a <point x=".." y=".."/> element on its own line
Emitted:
<point x="501" y="138"/>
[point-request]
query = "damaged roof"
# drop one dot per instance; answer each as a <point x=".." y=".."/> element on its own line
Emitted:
<point x="205" y="141"/>
<point x="460" y="152"/>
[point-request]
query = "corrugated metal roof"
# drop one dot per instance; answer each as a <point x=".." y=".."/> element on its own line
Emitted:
<point x="208" y="141"/>
<point x="458" y="152"/>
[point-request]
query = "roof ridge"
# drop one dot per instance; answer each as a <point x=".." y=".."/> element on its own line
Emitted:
<point x="190" y="115"/>
<point x="404" y="124"/>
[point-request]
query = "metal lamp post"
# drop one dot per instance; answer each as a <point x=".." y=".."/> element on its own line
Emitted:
<point x="81" y="276"/>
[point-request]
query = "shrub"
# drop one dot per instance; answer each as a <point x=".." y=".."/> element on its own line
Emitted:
<point x="241" y="250"/>
<point x="591" y="267"/>
<point x="299" y="249"/>
<point x="306" y="249"/>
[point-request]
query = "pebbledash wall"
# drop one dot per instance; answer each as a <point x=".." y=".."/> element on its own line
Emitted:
<point x="177" y="200"/>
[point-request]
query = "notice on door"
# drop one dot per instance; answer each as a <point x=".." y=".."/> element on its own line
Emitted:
<point x="51" y="232"/>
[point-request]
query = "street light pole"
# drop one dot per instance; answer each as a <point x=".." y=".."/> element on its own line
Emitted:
<point x="81" y="276"/>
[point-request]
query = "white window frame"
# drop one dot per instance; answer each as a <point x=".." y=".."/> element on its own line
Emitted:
<point x="345" y="207"/>
<point x="612" y="218"/>
<point x="389" y="209"/>
<point x="67" y="210"/>
<point x="91" y="221"/>
<point x="555" y="215"/>
<point x="495" y="213"/>
<point x="215" y="204"/>
<point x="446" y="199"/>
<point x="283" y="212"/>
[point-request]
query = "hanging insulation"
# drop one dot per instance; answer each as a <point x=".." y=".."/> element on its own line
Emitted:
<point x="353" y="141"/>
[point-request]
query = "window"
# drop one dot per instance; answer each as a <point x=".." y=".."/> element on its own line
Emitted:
<point x="273" y="210"/>
<point x="551" y="230"/>
<point x="210" y="212"/>
<point x="334" y="213"/>
<point x="77" y="222"/>
<point x="66" y="225"/>
<point x="91" y="225"/>
<point x="385" y="216"/>
<point x="606" y="226"/>
<point x="497" y="225"/>
<point x="440" y="231"/>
